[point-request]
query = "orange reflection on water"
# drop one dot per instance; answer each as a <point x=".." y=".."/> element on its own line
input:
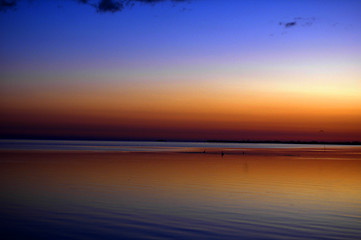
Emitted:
<point x="262" y="176"/>
<point x="269" y="193"/>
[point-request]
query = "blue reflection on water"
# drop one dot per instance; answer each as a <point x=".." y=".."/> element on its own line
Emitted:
<point x="6" y="144"/>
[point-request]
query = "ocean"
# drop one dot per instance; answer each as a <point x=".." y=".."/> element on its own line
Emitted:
<point x="164" y="190"/>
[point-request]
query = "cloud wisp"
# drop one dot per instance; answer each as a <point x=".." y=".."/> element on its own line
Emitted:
<point x="7" y="4"/>
<point x="101" y="6"/>
<point x="298" y="21"/>
<point x="118" y="5"/>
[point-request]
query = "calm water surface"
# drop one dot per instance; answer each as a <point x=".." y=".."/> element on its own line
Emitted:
<point x="169" y="195"/>
<point x="148" y="146"/>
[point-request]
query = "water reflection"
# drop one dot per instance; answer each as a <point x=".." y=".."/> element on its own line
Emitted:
<point x="179" y="195"/>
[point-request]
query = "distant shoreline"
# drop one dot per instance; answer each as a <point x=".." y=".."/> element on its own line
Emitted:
<point x="352" y="143"/>
<point x="287" y="142"/>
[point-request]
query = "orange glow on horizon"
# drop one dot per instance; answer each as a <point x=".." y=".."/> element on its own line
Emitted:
<point x="189" y="109"/>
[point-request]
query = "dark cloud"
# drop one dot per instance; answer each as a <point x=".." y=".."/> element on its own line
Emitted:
<point x="102" y="6"/>
<point x="118" y="5"/>
<point x="304" y="22"/>
<point x="109" y="6"/>
<point x="7" y="4"/>
<point x="290" y="24"/>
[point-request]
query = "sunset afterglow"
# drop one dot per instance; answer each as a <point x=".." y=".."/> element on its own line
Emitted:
<point x="193" y="70"/>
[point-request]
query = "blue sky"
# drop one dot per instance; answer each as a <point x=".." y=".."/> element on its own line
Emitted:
<point x="68" y="34"/>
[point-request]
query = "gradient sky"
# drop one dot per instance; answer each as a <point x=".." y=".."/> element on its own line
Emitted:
<point x="181" y="70"/>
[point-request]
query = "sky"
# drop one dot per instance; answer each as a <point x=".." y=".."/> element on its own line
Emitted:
<point x="181" y="70"/>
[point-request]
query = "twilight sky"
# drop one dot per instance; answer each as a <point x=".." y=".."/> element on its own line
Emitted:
<point x="181" y="70"/>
